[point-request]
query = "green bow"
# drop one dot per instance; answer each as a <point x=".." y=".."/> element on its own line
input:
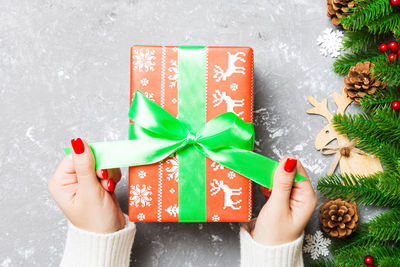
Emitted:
<point x="157" y="134"/>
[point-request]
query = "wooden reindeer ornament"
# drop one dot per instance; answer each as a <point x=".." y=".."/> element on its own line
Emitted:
<point x="351" y="159"/>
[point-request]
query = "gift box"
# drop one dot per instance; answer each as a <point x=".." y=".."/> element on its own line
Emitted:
<point x="187" y="186"/>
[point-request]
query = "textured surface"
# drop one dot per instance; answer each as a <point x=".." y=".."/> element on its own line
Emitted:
<point x="64" y="73"/>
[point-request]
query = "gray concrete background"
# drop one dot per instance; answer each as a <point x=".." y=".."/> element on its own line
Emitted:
<point x="64" y="73"/>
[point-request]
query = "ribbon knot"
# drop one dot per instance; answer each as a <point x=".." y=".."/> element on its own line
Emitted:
<point x="191" y="139"/>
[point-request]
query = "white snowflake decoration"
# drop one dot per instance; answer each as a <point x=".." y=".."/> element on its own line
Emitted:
<point x="143" y="60"/>
<point x="173" y="210"/>
<point x="173" y="169"/>
<point x="231" y="175"/>
<point x="142" y="174"/>
<point x="173" y="77"/>
<point x="172" y="190"/>
<point x="141" y="216"/>
<point x="144" y="81"/>
<point x="330" y="42"/>
<point x="149" y="95"/>
<point x="234" y="86"/>
<point x="174" y="100"/>
<point x="140" y="196"/>
<point x="215" y="218"/>
<point x="216" y="166"/>
<point x="317" y="245"/>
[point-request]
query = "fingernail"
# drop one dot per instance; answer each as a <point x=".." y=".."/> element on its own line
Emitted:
<point x="267" y="192"/>
<point x="290" y="164"/>
<point x="77" y="146"/>
<point x="104" y="174"/>
<point x="111" y="185"/>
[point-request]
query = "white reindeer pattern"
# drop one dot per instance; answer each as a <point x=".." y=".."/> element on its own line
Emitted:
<point x="220" y="97"/>
<point x="217" y="186"/>
<point x="220" y="74"/>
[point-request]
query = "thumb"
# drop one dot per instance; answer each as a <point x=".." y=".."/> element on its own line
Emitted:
<point x="283" y="180"/>
<point x="84" y="164"/>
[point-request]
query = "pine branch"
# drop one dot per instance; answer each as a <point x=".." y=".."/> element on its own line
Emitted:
<point x="387" y="71"/>
<point x="361" y="40"/>
<point x="343" y="64"/>
<point x="359" y="238"/>
<point x="386" y="226"/>
<point x="365" y="12"/>
<point x="365" y="131"/>
<point x="355" y="255"/>
<point x="388" y="122"/>
<point x="322" y="263"/>
<point x="381" y="99"/>
<point x="387" y="24"/>
<point x="366" y="190"/>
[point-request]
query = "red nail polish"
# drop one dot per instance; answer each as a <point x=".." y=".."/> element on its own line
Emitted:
<point x="290" y="164"/>
<point x="104" y="173"/>
<point x="77" y="146"/>
<point x="111" y="185"/>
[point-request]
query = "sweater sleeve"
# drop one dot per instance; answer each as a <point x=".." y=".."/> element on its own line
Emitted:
<point x="89" y="249"/>
<point x="256" y="254"/>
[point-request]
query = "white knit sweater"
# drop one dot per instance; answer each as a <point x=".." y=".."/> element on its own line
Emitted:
<point x="86" y="249"/>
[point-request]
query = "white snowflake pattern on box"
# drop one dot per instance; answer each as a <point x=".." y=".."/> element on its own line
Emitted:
<point x="172" y="190"/>
<point x="330" y="42"/>
<point x="221" y="74"/>
<point x="149" y="95"/>
<point x="143" y="60"/>
<point x="173" y="210"/>
<point x="231" y="104"/>
<point x="317" y="245"/>
<point x="141" y="174"/>
<point x="216" y="166"/>
<point x="174" y="101"/>
<point x="215" y="218"/>
<point x="173" y="76"/>
<point x="172" y="169"/>
<point x="140" y="196"/>
<point x="141" y="217"/>
<point x="234" y="86"/>
<point x="144" y="81"/>
<point x="231" y="175"/>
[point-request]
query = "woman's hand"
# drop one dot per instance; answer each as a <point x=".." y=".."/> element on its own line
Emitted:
<point x="285" y="215"/>
<point x="87" y="196"/>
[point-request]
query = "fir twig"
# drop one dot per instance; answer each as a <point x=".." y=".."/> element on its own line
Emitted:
<point x="386" y="226"/>
<point x="365" y="130"/>
<point x="366" y="190"/>
<point x="343" y="64"/>
<point x="365" y="12"/>
<point x="381" y="99"/>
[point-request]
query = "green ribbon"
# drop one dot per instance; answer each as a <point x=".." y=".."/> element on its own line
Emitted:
<point x="156" y="135"/>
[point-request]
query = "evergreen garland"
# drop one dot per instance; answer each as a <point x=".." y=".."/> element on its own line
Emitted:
<point x="377" y="131"/>
<point x="368" y="23"/>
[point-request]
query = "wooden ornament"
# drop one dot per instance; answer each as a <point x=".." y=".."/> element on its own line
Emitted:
<point x="350" y="159"/>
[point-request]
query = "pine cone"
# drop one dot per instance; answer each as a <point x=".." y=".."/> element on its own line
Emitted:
<point x="338" y="217"/>
<point x="336" y="9"/>
<point x="360" y="81"/>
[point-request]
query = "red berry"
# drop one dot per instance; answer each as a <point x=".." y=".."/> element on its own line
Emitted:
<point x="395" y="105"/>
<point x="368" y="259"/>
<point x="393" y="45"/>
<point x="383" y="47"/>
<point x="392" y="57"/>
<point x="398" y="52"/>
<point x="394" y="3"/>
